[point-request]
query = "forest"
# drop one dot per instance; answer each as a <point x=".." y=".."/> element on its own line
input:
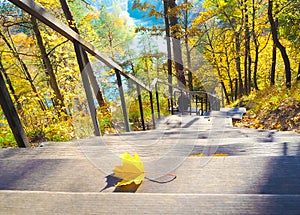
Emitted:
<point x="245" y="51"/>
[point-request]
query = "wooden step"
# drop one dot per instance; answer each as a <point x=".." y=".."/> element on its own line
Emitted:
<point x="205" y="175"/>
<point x="30" y="202"/>
<point x="256" y="172"/>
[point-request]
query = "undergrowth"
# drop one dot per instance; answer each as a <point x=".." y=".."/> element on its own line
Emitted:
<point x="271" y="108"/>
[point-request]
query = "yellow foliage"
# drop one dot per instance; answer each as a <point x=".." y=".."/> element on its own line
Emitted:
<point x="203" y="17"/>
<point x="131" y="171"/>
<point x="91" y="16"/>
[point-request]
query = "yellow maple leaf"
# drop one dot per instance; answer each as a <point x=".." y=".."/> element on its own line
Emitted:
<point x="132" y="169"/>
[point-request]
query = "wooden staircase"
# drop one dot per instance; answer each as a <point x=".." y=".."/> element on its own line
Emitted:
<point x="220" y="170"/>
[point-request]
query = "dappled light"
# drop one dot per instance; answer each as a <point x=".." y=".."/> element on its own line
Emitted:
<point x="131" y="107"/>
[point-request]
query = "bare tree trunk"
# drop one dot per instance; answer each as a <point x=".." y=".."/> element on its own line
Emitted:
<point x="247" y="48"/>
<point x="190" y="74"/>
<point x="256" y="45"/>
<point x="228" y="72"/>
<point x="168" y="38"/>
<point x="249" y="70"/>
<point x="273" y="67"/>
<point x="255" y="67"/>
<point x="225" y="92"/>
<point x="238" y="63"/>
<point x="58" y="100"/>
<point x="177" y="52"/>
<point x="274" y="30"/>
<point x="188" y="51"/>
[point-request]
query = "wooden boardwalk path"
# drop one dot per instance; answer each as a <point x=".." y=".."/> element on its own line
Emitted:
<point x="257" y="172"/>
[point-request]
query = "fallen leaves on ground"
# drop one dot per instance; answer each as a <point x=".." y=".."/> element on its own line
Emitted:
<point x="285" y="117"/>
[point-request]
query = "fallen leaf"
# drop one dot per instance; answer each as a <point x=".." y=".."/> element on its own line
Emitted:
<point x="131" y="171"/>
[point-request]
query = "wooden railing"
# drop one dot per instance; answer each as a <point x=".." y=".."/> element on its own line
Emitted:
<point x="205" y="100"/>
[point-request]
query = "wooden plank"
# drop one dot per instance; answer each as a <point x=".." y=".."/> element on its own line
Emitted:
<point x="12" y="202"/>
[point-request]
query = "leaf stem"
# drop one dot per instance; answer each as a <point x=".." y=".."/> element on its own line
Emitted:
<point x="162" y="182"/>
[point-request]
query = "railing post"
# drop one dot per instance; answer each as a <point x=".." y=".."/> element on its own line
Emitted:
<point x="172" y="104"/>
<point x="152" y="108"/>
<point x="182" y="102"/>
<point x="171" y="99"/>
<point x="123" y="104"/>
<point x="196" y="104"/>
<point x="86" y="85"/>
<point x="12" y="115"/>
<point x="169" y="105"/>
<point x="214" y="102"/>
<point x="202" y="105"/>
<point x="206" y="102"/>
<point x="190" y="98"/>
<point x="157" y="101"/>
<point x="141" y="106"/>
<point x="209" y="102"/>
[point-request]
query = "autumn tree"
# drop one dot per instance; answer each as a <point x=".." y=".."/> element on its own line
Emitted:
<point x="58" y="98"/>
<point x="8" y="41"/>
<point x="85" y="62"/>
<point x="289" y="21"/>
<point x="172" y="29"/>
<point x="278" y="44"/>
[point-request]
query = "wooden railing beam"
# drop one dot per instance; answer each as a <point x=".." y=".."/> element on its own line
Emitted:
<point x="49" y="19"/>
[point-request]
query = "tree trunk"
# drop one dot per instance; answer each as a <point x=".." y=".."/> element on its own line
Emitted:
<point x="58" y="100"/>
<point x="282" y="49"/>
<point x="236" y="88"/>
<point x="86" y="73"/>
<point x="87" y="65"/>
<point x="188" y="51"/>
<point x="190" y="74"/>
<point x="273" y="67"/>
<point x="255" y="67"/>
<point x="177" y="52"/>
<point x="225" y="92"/>
<point x="256" y="45"/>
<point x="247" y="73"/>
<point x="168" y="38"/>
<point x="228" y="73"/>
<point x="238" y="63"/>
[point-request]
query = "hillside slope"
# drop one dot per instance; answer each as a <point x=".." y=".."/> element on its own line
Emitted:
<point x="272" y="108"/>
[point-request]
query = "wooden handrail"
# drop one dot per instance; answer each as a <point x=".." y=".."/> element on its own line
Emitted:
<point x="49" y="19"/>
